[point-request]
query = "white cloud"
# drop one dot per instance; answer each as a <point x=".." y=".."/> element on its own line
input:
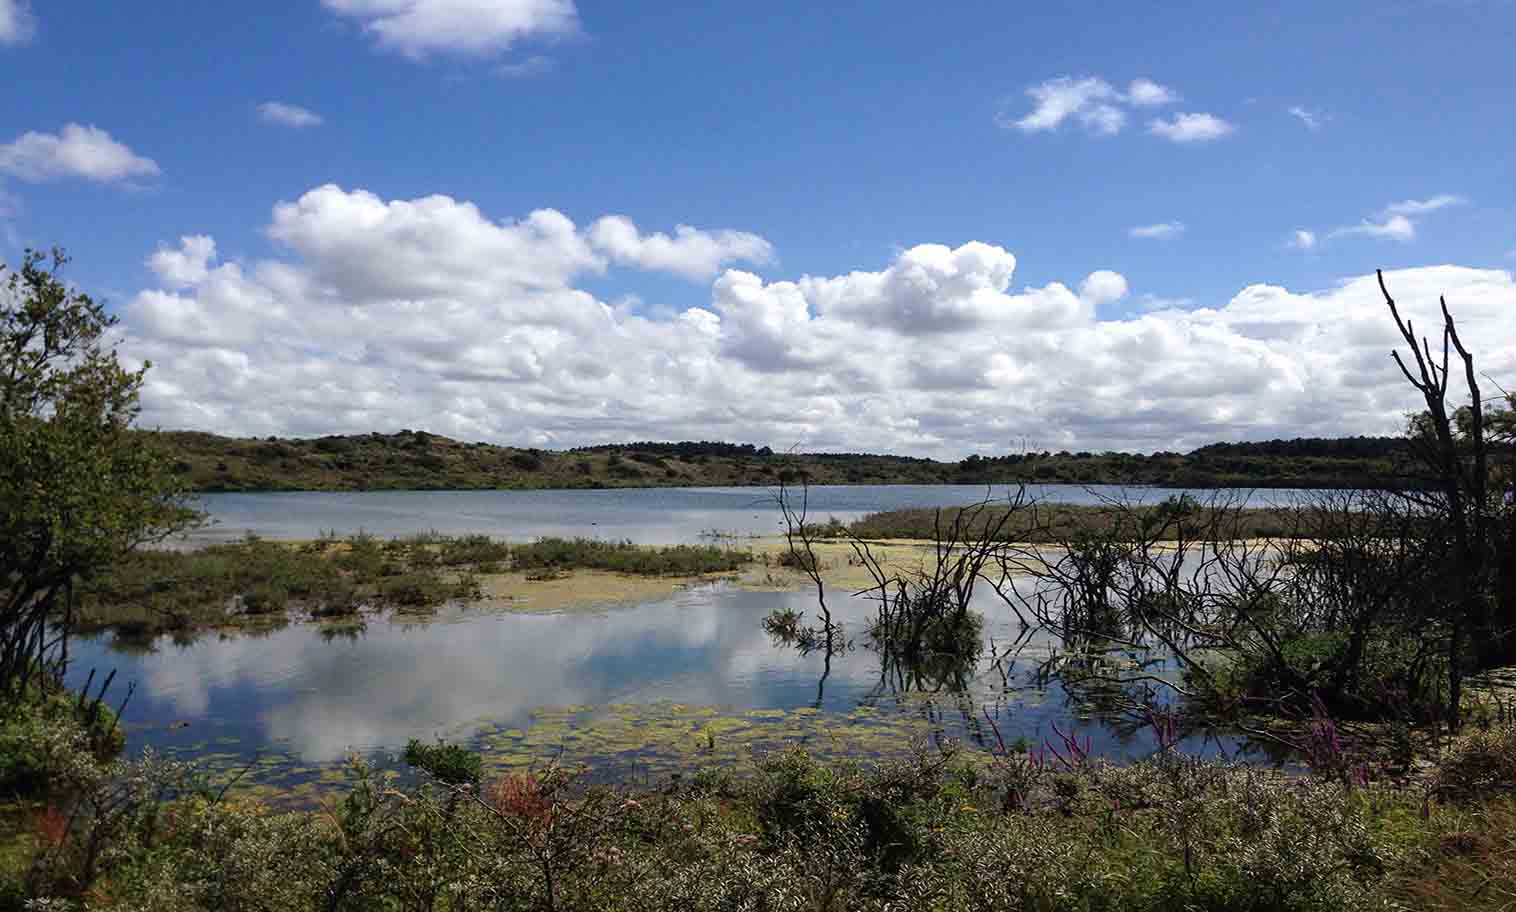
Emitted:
<point x="288" y="115"/>
<point x="1301" y="239"/>
<point x="691" y="253"/>
<point x="1398" y="221"/>
<point x="1313" y="120"/>
<point x="1394" y="228"/>
<point x="10" y="208"/>
<point x="1151" y="303"/>
<point x="186" y="266"/>
<point x="1103" y="287"/>
<point x="417" y="28"/>
<point x="17" y="24"/>
<point x="381" y="314"/>
<point x="1161" y="231"/>
<point x="1412" y="207"/>
<point x="1101" y="109"/>
<point x="1087" y="100"/>
<point x="535" y="65"/>
<point x="86" y="152"/>
<point x="1145" y="93"/>
<point x="1190" y="128"/>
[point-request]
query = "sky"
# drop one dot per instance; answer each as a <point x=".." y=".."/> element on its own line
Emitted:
<point x="928" y="229"/>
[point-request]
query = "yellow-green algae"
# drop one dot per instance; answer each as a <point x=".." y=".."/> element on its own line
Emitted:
<point x="619" y="741"/>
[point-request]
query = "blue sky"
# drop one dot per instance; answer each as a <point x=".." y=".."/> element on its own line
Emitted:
<point x="842" y="135"/>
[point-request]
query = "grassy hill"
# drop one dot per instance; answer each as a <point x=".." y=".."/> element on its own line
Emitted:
<point x="416" y="460"/>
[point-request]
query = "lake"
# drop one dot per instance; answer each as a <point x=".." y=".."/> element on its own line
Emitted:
<point x="660" y="516"/>
<point x="634" y="691"/>
<point x="637" y="691"/>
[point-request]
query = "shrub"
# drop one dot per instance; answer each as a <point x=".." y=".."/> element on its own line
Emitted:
<point x="1480" y="763"/>
<point x="625" y="557"/>
<point x="416" y="590"/>
<point x="449" y="763"/>
<point x="526" y="460"/>
<point x="30" y="729"/>
<point x="473" y="549"/>
<point x="265" y="598"/>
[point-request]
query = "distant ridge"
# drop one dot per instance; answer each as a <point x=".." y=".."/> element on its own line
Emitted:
<point x="417" y="460"/>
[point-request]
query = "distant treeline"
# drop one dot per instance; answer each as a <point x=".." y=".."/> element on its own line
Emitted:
<point x="416" y="460"/>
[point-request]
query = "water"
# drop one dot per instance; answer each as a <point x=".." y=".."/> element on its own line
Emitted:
<point x="677" y="683"/>
<point x="634" y="691"/>
<point x="644" y="515"/>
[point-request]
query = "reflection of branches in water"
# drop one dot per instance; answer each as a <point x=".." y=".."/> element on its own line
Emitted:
<point x="1149" y="591"/>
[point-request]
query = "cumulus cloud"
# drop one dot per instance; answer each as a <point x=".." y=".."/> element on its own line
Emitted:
<point x="1160" y="231"/>
<point x="288" y="115"/>
<point x="1190" y="128"/>
<point x="1302" y="239"/>
<point x="380" y="314"/>
<point x="187" y="265"/>
<point x="691" y="253"/>
<point x="418" y="28"/>
<point x="1089" y="101"/>
<point x="86" y="152"/>
<point x="1103" y="287"/>
<point x="17" y="24"/>
<point x="1145" y="93"/>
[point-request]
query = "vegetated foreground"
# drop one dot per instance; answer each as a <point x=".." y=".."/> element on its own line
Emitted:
<point x="416" y="460"/>
<point x="1042" y="827"/>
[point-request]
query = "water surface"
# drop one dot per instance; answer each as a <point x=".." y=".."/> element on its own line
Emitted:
<point x="633" y="691"/>
<point x="644" y="515"/>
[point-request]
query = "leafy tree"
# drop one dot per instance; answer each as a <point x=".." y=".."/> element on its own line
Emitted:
<point x="78" y="488"/>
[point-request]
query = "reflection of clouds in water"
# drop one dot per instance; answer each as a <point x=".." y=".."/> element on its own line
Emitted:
<point x="451" y="676"/>
<point x="420" y="680"/>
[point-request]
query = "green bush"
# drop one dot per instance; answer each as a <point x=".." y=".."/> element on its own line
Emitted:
<point x="415" y="590"/>
<point x="473" y="549"/>
<point x="625" y="557"/>
<point x="29" y="726"/>
<point x="449" y="763"/>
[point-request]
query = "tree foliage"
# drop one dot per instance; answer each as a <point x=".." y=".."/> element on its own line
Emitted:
<point x="77" y="489"/>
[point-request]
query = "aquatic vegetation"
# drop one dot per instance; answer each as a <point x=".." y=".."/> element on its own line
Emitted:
<point x="1052" y="523"/>
<point x="625" y="557"/>
<point x="255" y="582"/>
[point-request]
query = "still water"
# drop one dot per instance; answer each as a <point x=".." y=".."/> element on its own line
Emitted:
<point x="645" y="515"/>
<point x="636" y="692"/>
<point x="633" y="690"/>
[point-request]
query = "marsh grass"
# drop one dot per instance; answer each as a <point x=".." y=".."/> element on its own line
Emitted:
<point x="1056" y="523"/>
<point x="258" y="583"/>
<point x="625" y="557"/>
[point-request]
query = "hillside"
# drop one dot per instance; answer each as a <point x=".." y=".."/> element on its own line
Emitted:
<point x="416" y="460"/>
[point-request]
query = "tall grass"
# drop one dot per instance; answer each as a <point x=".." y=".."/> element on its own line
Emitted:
<point x="256" y="582"/>
<point x="1051" y="523"/>
<point x="625" y="557"/>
